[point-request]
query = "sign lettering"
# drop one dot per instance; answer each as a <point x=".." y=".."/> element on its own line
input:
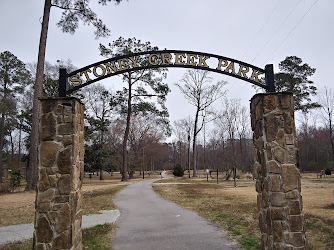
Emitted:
<point x="165" y="58"/>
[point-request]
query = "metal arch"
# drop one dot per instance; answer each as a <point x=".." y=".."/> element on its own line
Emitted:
<point x="268" y="71"/>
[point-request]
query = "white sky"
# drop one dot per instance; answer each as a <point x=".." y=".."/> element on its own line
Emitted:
<point x="258" y="32"/>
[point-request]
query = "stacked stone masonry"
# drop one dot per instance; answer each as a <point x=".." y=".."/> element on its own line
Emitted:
<point x="276" y="171"/>
<point x="61" y="165"/>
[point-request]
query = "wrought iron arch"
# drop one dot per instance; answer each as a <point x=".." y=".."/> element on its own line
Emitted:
<point x="69" y="82"/>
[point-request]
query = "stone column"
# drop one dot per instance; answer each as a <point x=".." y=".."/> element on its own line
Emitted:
<point x="276" y="171"/>
<point x="61" y="155"/>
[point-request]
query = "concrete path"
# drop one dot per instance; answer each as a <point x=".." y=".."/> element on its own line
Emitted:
<point x="149" y="222"/>
<point x="25" y="231"/>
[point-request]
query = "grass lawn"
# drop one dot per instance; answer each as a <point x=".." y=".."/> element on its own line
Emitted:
<point x="95" y="238"/>
<point x="235" y="210"/>
<point x="97" y="196"/>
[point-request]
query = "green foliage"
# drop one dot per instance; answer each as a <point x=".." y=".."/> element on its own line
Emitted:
<point x="15" y="178"/>
<point x="109" y="167"/>
<point x="314" y="166"/>
<point x="142" y="84"/>
<point x="328" y="171"/>
<point x="293" y="77"/>
<point x="96" y="157"/>
<point x="178" y="170"/>
<point x="14" y="77"/>
<point x="75" y="11"/>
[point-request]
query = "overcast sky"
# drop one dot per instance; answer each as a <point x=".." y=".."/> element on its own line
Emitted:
<point x="258" y="32"/>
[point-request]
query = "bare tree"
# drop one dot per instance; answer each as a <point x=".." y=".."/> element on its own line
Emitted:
<point x="228" y="119"/>
<point x="197" y="87"/>
<point x="180" y="129"/>
<point x="233" y="124"/>
<point x="326" y="100"/>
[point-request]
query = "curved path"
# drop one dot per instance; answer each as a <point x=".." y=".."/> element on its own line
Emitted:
<point x="149" y="222"/>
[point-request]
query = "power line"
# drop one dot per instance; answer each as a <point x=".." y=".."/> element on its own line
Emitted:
<point x="257" y="35"/>
<point x="288" y="33"/>
<point x="291" y="31"/>
<point x="279" y="27"/>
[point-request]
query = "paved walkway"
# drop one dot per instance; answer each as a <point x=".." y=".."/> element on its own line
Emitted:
<point x="149" y="222"/>
<point x="25" y="231"/>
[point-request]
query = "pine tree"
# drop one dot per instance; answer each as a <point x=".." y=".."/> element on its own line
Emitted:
<point x="141" y="84"/>
<point x="293" y="77"/>
<point x="74" y="11"/>
<point x="13" y="78"/>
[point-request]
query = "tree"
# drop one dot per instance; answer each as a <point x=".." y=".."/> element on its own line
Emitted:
<point x="74" y="11"/>
<point x="228" y="119"/>
<point x="180" y="130"/>
<point x="141" y="85"/>
<point x="98" y="115"/>
<point x="326" y="100"/>
<point x="293" y="77"/>
<point x="197" y="87"/>
<point x="144" y="135"/>
<point x="13" y="78"/>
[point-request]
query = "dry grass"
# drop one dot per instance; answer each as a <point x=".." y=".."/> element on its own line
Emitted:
<point x="95" y="238"/>
<point x="312" y="177"/>
<point x="100" y="199"/>
<point x="235" y="210"/>
<point x="13" y="205"/>
<point x="318" y="199"/>
<point x="97" y="196"/>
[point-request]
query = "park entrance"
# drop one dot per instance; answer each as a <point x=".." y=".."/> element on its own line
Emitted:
<point x="61" y="150"/>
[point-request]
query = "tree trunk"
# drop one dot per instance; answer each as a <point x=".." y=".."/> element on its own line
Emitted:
<point x="11" y="149"/>
<point x="101" y="174"/>
<point x="204" y="167"/>
<point x="331" y="136"/>
<point x="2" y="135"/>
<point x="180" y="146"/>
<point x="19" y="156"/>
<point x="126" y="134"/>
<point x="102" y="146"/>
<point x="34" y="137"/>
<point x="194" y="145"/>
<point x="188" y="156"/>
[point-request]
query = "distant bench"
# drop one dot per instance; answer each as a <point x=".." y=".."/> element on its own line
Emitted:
<point x="321" y="173"/>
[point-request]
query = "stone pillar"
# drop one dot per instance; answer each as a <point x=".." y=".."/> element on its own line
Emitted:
<point x="61" y="155"/>
<point x="276" y="171"/>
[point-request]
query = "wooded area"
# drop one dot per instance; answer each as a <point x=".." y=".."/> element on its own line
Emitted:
<point x="225" y="144"/>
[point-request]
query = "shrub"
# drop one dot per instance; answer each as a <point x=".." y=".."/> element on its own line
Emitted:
<point x="328" y="171"/>
<point x="15" y="178"/>
<point x="178" y="170"/>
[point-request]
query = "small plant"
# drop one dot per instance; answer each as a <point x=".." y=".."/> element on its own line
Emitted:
<point x="178" y="170"/>
<point x="328" y="171"/>
<point x="15" y="178"/>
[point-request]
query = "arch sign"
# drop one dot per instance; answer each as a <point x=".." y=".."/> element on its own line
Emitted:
<point x="69" y="82"/>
